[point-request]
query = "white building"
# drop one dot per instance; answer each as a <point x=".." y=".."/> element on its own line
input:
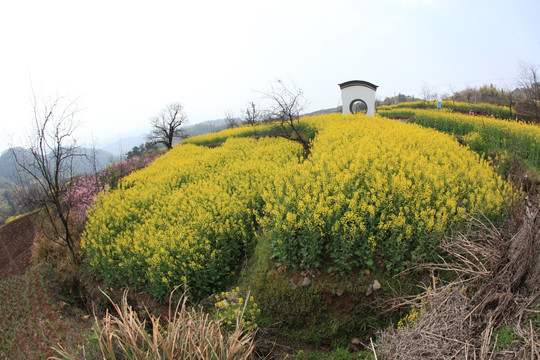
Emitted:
<point x="358" y="96"/>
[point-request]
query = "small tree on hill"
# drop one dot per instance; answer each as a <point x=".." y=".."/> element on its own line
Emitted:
<point x="428" y="94"/>
<point x="141" y="150"/>
<point x="530" y="85"/>
<point x="509" y="99"/>
<point x="166" y="127"/>
<point x="231" y="121"/>
<point x="47" y="169"/>
<point x="287" y="102"/>
<point x="253" y="114"/>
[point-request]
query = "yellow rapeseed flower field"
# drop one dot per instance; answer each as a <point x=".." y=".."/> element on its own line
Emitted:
<point x="376" y="187"/>
<point x="241" y="131"/>
<point x="372" y="189"/>
<point x="187" y="218"/>
<point x="500" y="112"/>
<point x="483" y="134"/>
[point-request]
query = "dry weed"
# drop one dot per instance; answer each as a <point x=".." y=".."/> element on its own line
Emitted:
<point x="497" y="285"/>
<point x="187" y="333"/>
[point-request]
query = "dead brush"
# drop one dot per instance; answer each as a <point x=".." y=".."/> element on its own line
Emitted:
<point x="187" y="333"/>
<point x="44" y="250"/>
<point x="497" y="285"/>
<point x="438" y="333"/>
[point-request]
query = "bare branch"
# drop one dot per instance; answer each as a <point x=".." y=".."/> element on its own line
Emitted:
<point x="530" y="85"/>
<point x="288" y="102"/>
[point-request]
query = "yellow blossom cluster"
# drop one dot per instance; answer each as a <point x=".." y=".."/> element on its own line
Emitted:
<point x="186" y="218"/>
<point x="410" y="319"/>
<point x="482" y="134"/>
<point x="234" y="310"/>
<point x="374" y="187"/>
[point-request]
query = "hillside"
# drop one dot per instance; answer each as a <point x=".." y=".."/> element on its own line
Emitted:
<point x="319" y="243"/>
<point x="366" y="190"/>
<point x="376" y="196"/>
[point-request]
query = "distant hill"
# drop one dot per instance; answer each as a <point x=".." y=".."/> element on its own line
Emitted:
<point x="8" y="175"/>
<point x="205" y="127"/>
<point x="4" y="182"/>
<point x="124" y="144"/>
<point x="398" y="99"/>
<point x="8" y="166"/>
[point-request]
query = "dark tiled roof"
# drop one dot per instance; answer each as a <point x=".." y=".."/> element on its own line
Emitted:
<point x="358" y="83"/>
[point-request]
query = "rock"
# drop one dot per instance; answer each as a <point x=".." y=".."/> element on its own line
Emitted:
<point x="355" y="344"/>
<point x="292" y="284"/>
<point x="376" y="285"/>
<point x="306" y="282"/>
<point x="339" y="292"/>
<point x="369" y="290"/>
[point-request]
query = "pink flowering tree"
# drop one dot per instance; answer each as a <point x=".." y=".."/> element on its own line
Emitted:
<point x="86" y="188"/>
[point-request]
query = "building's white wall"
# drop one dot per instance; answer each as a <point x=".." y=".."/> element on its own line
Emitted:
<point x="351" y="93"/>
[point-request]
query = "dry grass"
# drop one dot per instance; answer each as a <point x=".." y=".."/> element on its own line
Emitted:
<point x="497" y="286"/>
<point x="436" y="334"/>
<point x="187" y="333"/>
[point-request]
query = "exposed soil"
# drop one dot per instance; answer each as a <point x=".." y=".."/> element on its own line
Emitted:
<point x="16" y="240"/>
<point x="400" y="118"/>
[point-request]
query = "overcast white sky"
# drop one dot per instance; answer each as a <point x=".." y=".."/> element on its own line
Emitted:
<point x="124" y="60"/>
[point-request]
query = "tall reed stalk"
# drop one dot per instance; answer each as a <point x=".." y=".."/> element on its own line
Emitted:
<point x="187" y="333"/>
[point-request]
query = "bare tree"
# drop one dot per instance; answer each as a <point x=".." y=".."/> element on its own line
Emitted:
<point x="231" y="120"/>
<point x="428" y="93"/>
<point x="253" y="114"/>
<point x="166" y="127"/>
<point x="47" y="169"/>
<point x="509" y="99"/>
<point x="530" y="85"/>
<point x="213" y="128"/>
<point x="287" y="104"/>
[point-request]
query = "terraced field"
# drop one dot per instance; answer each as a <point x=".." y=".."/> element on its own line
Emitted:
<point x="16" y="240"/>
<point x="31" y="322"/>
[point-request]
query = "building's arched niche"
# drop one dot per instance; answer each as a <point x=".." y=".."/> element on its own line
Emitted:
<point x="358" y="96"/>
<point x="358" y="106"/>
